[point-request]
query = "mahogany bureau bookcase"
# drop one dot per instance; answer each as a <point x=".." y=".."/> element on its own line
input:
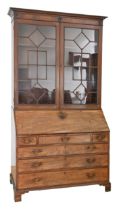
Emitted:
<point x="60" y="137"/>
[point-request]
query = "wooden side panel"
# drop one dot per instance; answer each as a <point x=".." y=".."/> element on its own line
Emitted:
<point x="48" y="179"/>
<point x="13" y="172"/>
<point x="48" y="122"/>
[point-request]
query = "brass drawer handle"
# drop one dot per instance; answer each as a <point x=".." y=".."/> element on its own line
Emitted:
<point x="36" y="164"/>
<point x="62" y="115"/>
<point x="36" y="151"/>
<point x="65" y="139"/>
<point x="91" y="175"/>
<point x="62" y="139"/>
<point x="91" y="147"/>
<point x="90" y="160"/>
<point x="27" y="141"/>
<point x="100" y="137"/>
<point x="35" y="180"/>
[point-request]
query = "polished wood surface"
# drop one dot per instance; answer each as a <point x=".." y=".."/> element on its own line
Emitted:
<point x="101" y="137"/>
<point x="84" y="149"/>
<point x="42" y="122"/>
<point x="41" y="151"/>
<point x="13" y="172"/>
<point x="13" y="11"/>
<point x="59" y="145"/>
<point x="70" y="138"/>
<point x="54" y="150"/>
<point x="65" y="177"/>
<point x="62" y="162"/>
<point x="25" y="140"/>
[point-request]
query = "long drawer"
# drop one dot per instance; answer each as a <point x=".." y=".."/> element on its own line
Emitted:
<point x="66" y="177"/>
<point x="51" y="150"/>
<point x="40" y="164"/>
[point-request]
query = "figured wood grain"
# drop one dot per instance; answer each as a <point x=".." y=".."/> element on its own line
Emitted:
<point x="85" y="161"/>
<point x="41" y="164"/>
<point x="65" y="138"/>
<point x="26" y="140"/>
<point x="60" y="144"/>
<point x="13" y="11"/>
<point x="51" y="150"/>
<point x="40" y="151"/>
<point x="46" y="179"/>
<point x="13" y="172"/>
<point x="50" y="139"/>
<point x="100" y="137"/>
<point x="89" y="148"/>
<point x="47" y="163"/>
<point x="48" y="122"/>
<point x="44" y="17"/>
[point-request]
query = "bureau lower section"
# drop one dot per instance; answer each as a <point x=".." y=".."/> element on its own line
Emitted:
<point x="60" y="160"/>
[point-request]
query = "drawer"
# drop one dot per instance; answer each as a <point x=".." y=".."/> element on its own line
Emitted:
<point x="89" y="148"/>
<point x="68" y="138"/>
<point x="26" y="140"/>
<point x="77" y="138"/>
<point x="100" y="137"/>
<point x="41" y="164"/>
<point x="27" y="152"/>
<point x="62" y="162"/>
<point x="61" y="178"/>
<point x="50" y="139"/>
<point x="86" y="161"/>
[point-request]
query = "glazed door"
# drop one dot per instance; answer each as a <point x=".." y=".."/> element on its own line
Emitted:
<point x="80" y="70"/>
<point x="37" y="66"/>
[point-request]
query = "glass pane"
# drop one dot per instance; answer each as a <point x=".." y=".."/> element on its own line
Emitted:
<point x="37" y="64"/>
<point x="80" y="66"/>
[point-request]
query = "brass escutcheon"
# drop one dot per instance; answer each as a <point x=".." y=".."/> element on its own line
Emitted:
<point x="62" y="115"/>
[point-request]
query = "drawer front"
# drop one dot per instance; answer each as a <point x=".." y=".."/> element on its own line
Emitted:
<point x="69" y="138"/>
<point x="100" y="137"/>
<point x="77" y="139"/>
<point x="41" y="164"/>
<point x="60" y="178"/>
<point x="26" y="152"/>
<point x="89" y="148"/>
<point x="26" y="140"/>
<point x="50" y="121"/>
<point x="50" y="139"/>
<point x="62" y="162"/>
<point x="87" y="161"/>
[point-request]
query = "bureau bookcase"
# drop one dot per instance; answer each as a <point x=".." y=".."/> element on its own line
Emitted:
<point x="60" y="137"/>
